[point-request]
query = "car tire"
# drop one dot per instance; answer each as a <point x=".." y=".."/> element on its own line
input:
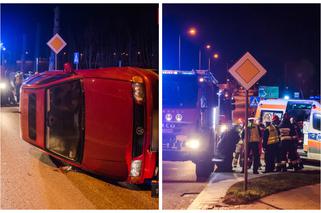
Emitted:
<point x="203" y="170"/>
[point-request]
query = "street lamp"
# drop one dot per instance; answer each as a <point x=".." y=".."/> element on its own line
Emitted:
<point x="216" y="56"/>
<point x="192" y="32"/>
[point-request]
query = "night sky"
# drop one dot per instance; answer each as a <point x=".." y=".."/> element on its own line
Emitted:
<point x="275" y="34"/>
<point x="115" y="26"/>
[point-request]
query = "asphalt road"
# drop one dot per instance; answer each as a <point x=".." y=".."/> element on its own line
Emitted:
<point x="179" y="184"/>
<point x="30" y="180"/>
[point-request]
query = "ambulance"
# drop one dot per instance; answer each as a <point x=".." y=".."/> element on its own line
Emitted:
<point x="307" y="114"/>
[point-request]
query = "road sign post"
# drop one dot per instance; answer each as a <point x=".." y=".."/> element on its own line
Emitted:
<point x="246" y="140"/>
<point x="247" y="71"/>
<point x="56" y="44"/>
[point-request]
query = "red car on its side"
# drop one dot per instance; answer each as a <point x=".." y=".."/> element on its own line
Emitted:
<point x="104" y="121"/>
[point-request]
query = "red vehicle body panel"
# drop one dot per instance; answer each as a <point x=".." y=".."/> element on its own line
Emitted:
<point x="108" y="120"/>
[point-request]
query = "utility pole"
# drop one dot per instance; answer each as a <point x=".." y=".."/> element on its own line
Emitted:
<point x="53" y="56"/>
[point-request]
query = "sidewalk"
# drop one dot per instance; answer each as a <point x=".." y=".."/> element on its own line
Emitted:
<point x="307" y="197"/>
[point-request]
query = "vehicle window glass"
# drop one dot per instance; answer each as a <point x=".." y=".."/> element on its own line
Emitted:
<point x="35" y="79"/>
<point x="316" y="121"/>
<point x="299" y="111"/>
<point x="32" y="115"/>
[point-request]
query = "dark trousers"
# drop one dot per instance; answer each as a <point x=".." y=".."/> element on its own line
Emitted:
<point x="285" y="148"/>
<point x="254" y="148"/>
<point x="292" y="150"/>
<point x="270" y="157"/>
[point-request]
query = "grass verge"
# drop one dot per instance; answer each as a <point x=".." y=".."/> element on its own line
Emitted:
<point x="269" y="184"/>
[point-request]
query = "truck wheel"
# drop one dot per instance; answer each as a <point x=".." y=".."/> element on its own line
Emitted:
<point x="203" y="170"/>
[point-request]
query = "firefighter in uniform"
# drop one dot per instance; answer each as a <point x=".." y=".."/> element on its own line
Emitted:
<point x="287" y="132"/>
<point x="238" y="153"/>
<point x="297" y="163"/>
<point x="276" y="122"/>
<point x="253" y="145"/>
<point x="270" y="145"/>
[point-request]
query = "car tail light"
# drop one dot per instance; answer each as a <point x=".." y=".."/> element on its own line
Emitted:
<point x="138" y="89"/>
<point x="139" y="115"/>
<point x="135" y="168"/>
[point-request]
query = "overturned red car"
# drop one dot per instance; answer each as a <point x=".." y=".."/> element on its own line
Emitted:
<point x="103" y="121"/>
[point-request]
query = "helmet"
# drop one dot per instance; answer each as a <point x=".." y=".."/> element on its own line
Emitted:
<point x="286" y="116"/>
<point x="275" y="118"/>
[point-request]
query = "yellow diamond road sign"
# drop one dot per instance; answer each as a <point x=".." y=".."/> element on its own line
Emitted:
<point x="56" y="43"/>
<point x="247" y="71"/>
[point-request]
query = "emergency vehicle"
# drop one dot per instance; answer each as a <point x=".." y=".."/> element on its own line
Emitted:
<point x="103" y="121"/>
<point x="307" y="114"/>
<point x="189" y="118"/>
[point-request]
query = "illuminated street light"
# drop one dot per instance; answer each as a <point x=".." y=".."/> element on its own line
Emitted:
<point x="216" y="56"/>
<point x="208" y="46"/>
<point x="192" y="31"/>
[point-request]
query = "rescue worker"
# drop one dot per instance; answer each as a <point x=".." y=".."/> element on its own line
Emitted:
<point x="238" y="153"/>
<point x="297" y="163"/>
<point x="287" y="132"/>
<point x="276" y="122"/>
<point x="270" y="146"/>
<point x="18" y="83"/>
<point x="253" y="144"/>
<point x="225" y="148"/>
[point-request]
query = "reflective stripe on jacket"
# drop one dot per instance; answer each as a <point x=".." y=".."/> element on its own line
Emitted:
<point x="273" y="135"/>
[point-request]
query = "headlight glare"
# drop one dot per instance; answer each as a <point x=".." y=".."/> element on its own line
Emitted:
<point x="168" y="116"/>
<point x="193" y="143"/>
<point x="179" y="117"/>
<point x="223" y="128"/>
<point x="3" y="85"/>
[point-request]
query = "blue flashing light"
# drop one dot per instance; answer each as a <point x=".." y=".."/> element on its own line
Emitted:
<point x="286" y="97"/>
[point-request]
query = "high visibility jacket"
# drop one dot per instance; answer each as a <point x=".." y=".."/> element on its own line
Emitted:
<point x="273" y="135"/>
<point x="254" y="134"/>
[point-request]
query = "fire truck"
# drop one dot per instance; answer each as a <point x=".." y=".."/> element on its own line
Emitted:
<point x="189" y="118"/>
<point x="104" y="121"/>
<point x="307" y="114"/>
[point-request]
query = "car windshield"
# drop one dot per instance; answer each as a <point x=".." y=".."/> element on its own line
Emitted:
<point x="180" y="91"/>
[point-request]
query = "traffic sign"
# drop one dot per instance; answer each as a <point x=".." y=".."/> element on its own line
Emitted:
<point x="247" y="71"/>
<point x="268" y="92"/>
<point x="254" y="101"/>
<point x="56" y="43"/>
<point x="76" y="58"/>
